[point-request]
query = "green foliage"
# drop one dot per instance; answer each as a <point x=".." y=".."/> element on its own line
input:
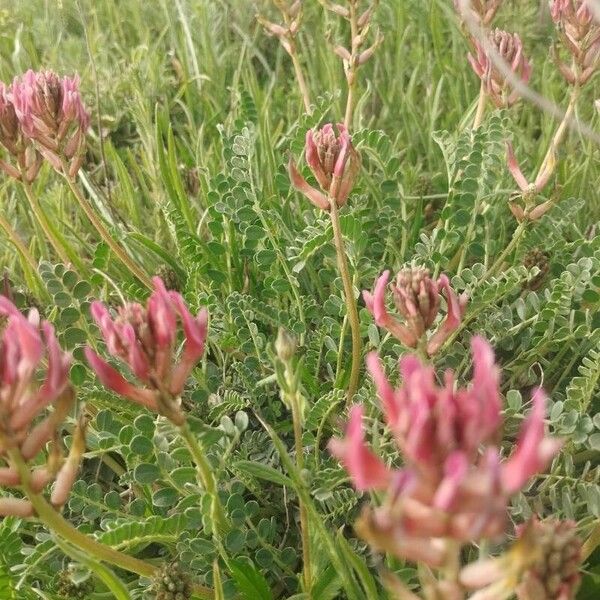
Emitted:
<point x="195" y="114"/>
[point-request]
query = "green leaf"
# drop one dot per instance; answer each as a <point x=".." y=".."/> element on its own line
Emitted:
<point x="249" y="582"/>
<point x="263" y="471"/>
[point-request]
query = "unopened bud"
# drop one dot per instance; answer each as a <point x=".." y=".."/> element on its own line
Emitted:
<point x="285" y="345"/>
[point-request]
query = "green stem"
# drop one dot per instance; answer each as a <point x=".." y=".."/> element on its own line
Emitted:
<point x="44" y="224"/>
<point x="351" y="74"/>
<point x="104" y="233"/>
<point x="300" y="79"/>
<point x="206" y="476"/>
<point x="519" y="231"/>
<point x="351" y="307"/>
<point x="29" y="265"/>
<point x="294" y="401"/>
<point x="57" y="523"/>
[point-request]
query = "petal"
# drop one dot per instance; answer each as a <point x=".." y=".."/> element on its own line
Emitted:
<point x="367" y="471"/>
<point x="161" y="315"/>
<point x="315" y="196"/>
<point x="515" y="170"/>
<point x="113" y="380"/>
<point x="455" y="470"/>
<point x="485" y="390"/>
<point x="534" y="450"/>
<point x="195" y="328"/>
<point x="455" y="310"/>
<point x="385" y="391"/>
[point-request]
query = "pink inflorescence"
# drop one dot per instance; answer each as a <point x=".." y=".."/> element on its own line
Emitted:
<point x="417" y="298"/>
<point x="500" y="48"/>
<point x="333" y="161"/>
<point x="144" y="339"/>
<point x="455" y="483"/>
<point x="34" y="375"/>
<point x="42" y="113"/>
<point x="579" y="29"/>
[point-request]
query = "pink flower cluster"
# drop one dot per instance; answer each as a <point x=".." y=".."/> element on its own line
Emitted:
<point x="417" y="298"/>
<point x="455" y="483"/>
<point x="43" y="113"/>
<point x="34" y="375"/>
<point x="144" y="339"/>
<point x="333" y="161"/>
<point x="580" y="31"/>
<point x="505" y="49"/>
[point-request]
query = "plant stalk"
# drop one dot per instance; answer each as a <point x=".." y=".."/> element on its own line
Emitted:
<point x="44" y="224"/>
<point x="57" y="523"/>
<point x="206" y="476"/>
<point x="301" y="80"/>
<point x="351" y="307"/>
<point x="104" y="233"/>
<point x="294" y="401"/>
<point x="351" y="74"/>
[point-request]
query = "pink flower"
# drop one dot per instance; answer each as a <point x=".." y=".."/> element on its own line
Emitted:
<point x="27" y="161"/>
<point x="34" y="374"/>
<point x="51" y="112"/>
<point x="144" y="339"/>
<point x="505" y="47"/>
<point x="454" y="483"/>
<point x="579" y="30"/>
<point x="334" y="163"/>
<point x="417" y="299"/>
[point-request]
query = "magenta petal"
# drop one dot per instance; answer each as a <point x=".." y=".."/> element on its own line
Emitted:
<point x="344" y="139"/>
<point x="195" y="328"/>
<point x="515" y="170"/>
<point x="315" y="196"/>
<point x="366" y="470"/>
<point x="161" y="314"/>
<point x="113" y="380"/>
<point x="485" y="389"/>
<point x="534" y="450"/>
<point x="455" y="310"/>
<point x="375" y="302"/>
<point x="384" y="390"/>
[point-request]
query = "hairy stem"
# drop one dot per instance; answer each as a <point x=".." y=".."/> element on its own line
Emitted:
<point x="44" y="224"/>
<point x="351" y="73"/>
<point x="351" y="308"/>
<point x="294" y="401"/>
<point x="301" y="80"/>
<point x="105" y="234"/>
<point x="206" y="476"/>
<point x="29" y="262"/>
<point x="519" y="231"/>
<point x="57" y="523"/>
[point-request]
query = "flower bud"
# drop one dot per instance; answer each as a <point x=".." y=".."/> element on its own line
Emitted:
<point x="285" y="345"/>
<point x="333" y="161"/>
